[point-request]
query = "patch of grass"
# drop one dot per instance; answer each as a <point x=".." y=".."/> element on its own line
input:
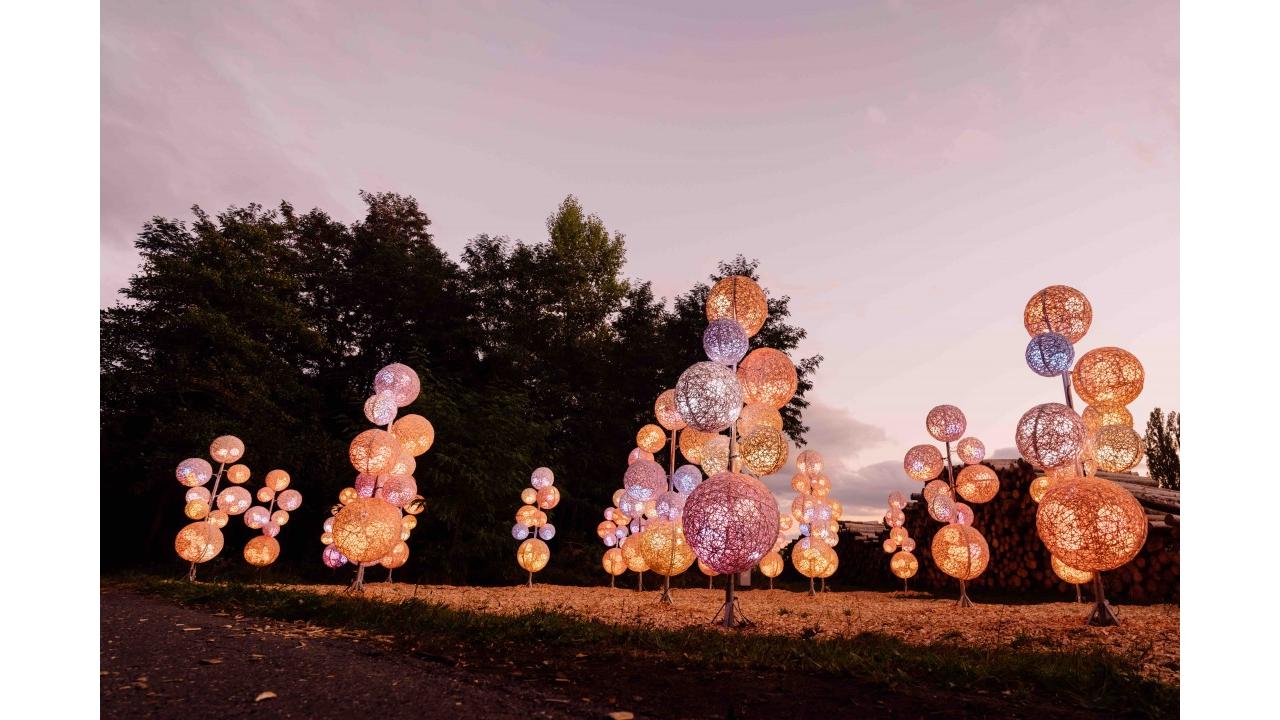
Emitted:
<point x="1089" y="680"/>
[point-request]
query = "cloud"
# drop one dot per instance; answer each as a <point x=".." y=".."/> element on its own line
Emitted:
<point x="876" y="116"/>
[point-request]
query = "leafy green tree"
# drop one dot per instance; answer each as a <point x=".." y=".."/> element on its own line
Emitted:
<point x="1163" y="437"/>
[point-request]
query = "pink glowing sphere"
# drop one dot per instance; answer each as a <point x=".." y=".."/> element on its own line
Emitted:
<point x="333" y="557"/>
<point x="637" y="454"/>
<point x="194" y="472"/>
<point x="645" y="480"/>
<point x="542" y="477"/>
<point x="946" y="423"/>
<point x="398" y="489"/>
<point x="289" y="500"/>
<point x="731" y="521"/>
<point x="399" y="381"/>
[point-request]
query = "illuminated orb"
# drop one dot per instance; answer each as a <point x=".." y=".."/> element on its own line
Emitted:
<point x="1050" y="435"/>
<point x="403" y="465"/>
<point x="396" y="489"/>
<point x="1096" y="417"/>
<point x="373" y="451"/>
<point x="416" y="506"/>
<point x="964" y="514"/>
<point x="809" y="462"/>
<point x="1050" y="354"/>
<point x="542" y="477"/>
<point x="960" y="551"/>
<point x="261" y="551"/>
<point x="768" y="377"/>
<point x="738" y="298"/>
<point x="1068" y="574"/>
<point x="198" y="493"/>
<point x="756" y="415"/>
<point x="691" y="442"/>
<point x="289" y="500"/>
<point x="820" y="486"/>
<point x="398" y="556"/>
<point x="650" y="438"/>
<point x="1058" y="309"/>
<point x="702" y="568"/>
<point x="638" y="454"/>
<point x="664" y="549"/>
<point x="399" y="381"/>
<point x="903" y="564"/>
<point x="332" y="557"/>
<point x="218" y="518"/>
<point x="227" y="448"/>
<point x="256" y="516"/>
<point x="1108" y="375"/>
<point x="348" y="494"/>
<point x="527" y="515"/>
<point x="897" y="500"/>
<point x="408" y="522"/>
<point x="277" y="480"/>
<point x="971" y="450"/>
<point x="415" y="434"/>
<point x="725" y="342"/>
<point x="365" y="530"/>
<point x="234" y="500"/>
<point x="731" y="521"/>
<point x="645" y="480"/>
<point x="771" y="564"/>
<point x="909" y="544"/>
<point x="686" y="478"/>
<point x="1041" y="485"/>
<point x="977" y="483"/>
<point x="1117" y="448"/>
<point x="934" y="488"/>
<point x="196" y="509"/>
<point x="548" y="497"/>
<point x="280" y="517"/>
<point x="631" y="554"/>
<point x="529" y="496"/>
<point x="238" y="474"/>
<point x="265" y="494"/>
<point x="198" y="542"/>
<point x="764" y="451"/>
<point x="670" y="505"/>
<point x="923" y="463"/>
<point x="801" y="483"/>
<point x="811" y="558"/>
<point x="194" y="472"/>
<point x="1091" y="524"/>
<point x="708" y="397"/>
<point x="603" y="530"/>
<point x="665" y="410"/>
<point x="381" y="409"/>
<point x="715" y="455"/>
<point x="519" y="531"/>
<point x="942" y="508"/>
<point x="945" y="423"/>
<point x="898" y="534"/>
<point x="786" y="522"/>
<point x="895" y="518"/>
<point x="533" y="555"/>
<point x="613" y="562"/>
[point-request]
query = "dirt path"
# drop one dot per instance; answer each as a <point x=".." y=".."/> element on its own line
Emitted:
<point x="162" y="660"/>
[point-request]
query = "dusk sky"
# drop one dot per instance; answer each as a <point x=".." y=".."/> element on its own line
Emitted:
<point x="910" y="173"/>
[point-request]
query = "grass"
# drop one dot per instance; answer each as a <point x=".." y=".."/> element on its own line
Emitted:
<point x="1088" y="680"/>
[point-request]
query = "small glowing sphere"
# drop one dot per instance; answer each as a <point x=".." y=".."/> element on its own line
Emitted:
<point x="768" y="377"/>
<point x="333" y="557"/>
<point x="638" y="454"/>
<point x="812" y="557"/>
<point x="194" y="472"/>
<point x="218" y="518"/>
<point x="227" y="448"/>
<point x="605" y="529"/>
<point x="277" y="480"/>
<point x="1117" y="448"/>
<point x="528" y="496"/>
<point x="234" y="500"/>
<point x="686" y="478"/>
<point x="708" y="397"/>
<point x="238" y="474"/>
<point x="520" y="531"/>
<point x="960" y="551"/>
<point x="971" y="450"/>
<point x="942" y="508"/>
<point x="645" y="480"/>
<point x="771" y="564"/>
<point x="326" y="537"/>
<point x="691" y="442"/>
<point x="945" y="423"/>
<point x="764" y="451"/>
<point x="198" y="542"/>
<point x="348" y="495"/>
<point x="373" y="451"/>
<point x="396" y="489"/>
<point x="786" y="522"/>
<point x="548" y="497"/>
<point x="810" y="462"/>
<point x="328" y="525"/>
<point x="399" y="381"/>
<point x="756" y="415"/>
<point x="265" y="494"/>
<point x="738" y="298"/>
<point x="196" y="509"/>
<point x="909" y="544"/>
<point x="665" y="410"/>
<point x="527" y="515"/>
<point x="1058" y="309"/>
<point x="404" y="464"/>
<point x="632" y="555"/>
<point x="964" y="514"/>
<point x="801" y="483"/>
<point x="613" y="562"/>
<point x="725" y="341"/>
<point x="256" y="516"/>
<point x="366" y="529"/>
<point x="408" y="522"/>
<point x="1091" y="524"/>
<point x="895" y="518"/>
<point x="903" y="564"/>
<point x="1096" y="417"/>
<point x="416" y="506"/>
<point x="923" y="463"/>
<point x="547" y="531"/>
<point x="415" y="434"/>
<point x="731" y="521"/>
<point x="261" y="551"/>
<point x="715" y="455"/>
<point x="977" y="483"/>
<point x="381" y="409"/>
<point x="198" y="493"/>
<point x="820" y="486"/>
<point x="1050" y="354"/>
<point x="934" y="488"/>
<point x="280" y="517"/>
<point x="542" y="477"/>
<point x="398" y="556"/>
<point x="670" y="505"/>
<point x="897" y="500"/>
<point x="1069" y="574"/>
<point x="1108" y="375"/>
<point x="650" y="438"/>
<point x="664" y="549"/>
<point x="289" y="500"/>
<point x="1050" y="435"/>
<point x="1040" y="486"/>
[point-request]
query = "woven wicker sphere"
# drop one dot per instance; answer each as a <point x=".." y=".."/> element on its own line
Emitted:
<point x="771" y="564"/>
<point x="738" y="298"/>
<point x="256" y="516"/>
<point x="898" y="534"/>
<point x="964" y="514"/>
<point x="194" y="472"/>
<point x="397" y="489"/>
<point x="1096" y="417"/>
<point x="666" y="412"/>
<point x="1069" y="574"/>
<point x="198" y="542"/>
<point x="1040" y="486"/>
<point x="533" y="555"/>
<point x="234" y="500"/>
<point x="897" y="500"/>
<point x="923" y="463"/>
<point x="945" y="423"/>
<point x="811" y="557"/>
<point x="645" y="480"/>
<point x="373" y="451"/>
<point x="801" y="483"/>
<point x="261" y="551"/>
<point x="381" y="409"/>
<point x="934" y="488"/>
<point x="942" y="508"/>
<point x="971" y="450"/>
<point x="238" y="474"/>
<point x="651" y="438"/>
<point x="1050" y="435"/>
<point x="895" y="518"/>
<point x="398" y="556"/>
<point x="1049" y="354"/>
<point x="670" y="505"/>
<point x="196" y="509"/>
<point x="365" y="530"/>
<point x="960" y="551"/>
<point x="764" y="451"/>
<point x="708" y="397"/>
<point x="810" y="462"/>
<point x="768" y="377"/>
<point x="691" y="442"/>
<point x="529" y="496"/>
<point x="1058" y="309"/>
<point x="1091" y="524"/>
<point x="332" y="557"/>
<point x="715" y="455"/>
<point x="1108" y="375"/>
<point x="725" y="342"/>
<point x="802" y="507"/>
<point x="548" y="497"/>
<point x="415" y="434"/>
<point x="632" y="555"/>
<point x="731" y="521"/>
<point x="664" y="549"/>
<point x="218" y="518"/>
<point x="542" y="477"/>
<point x="686" y="478"/>
<point x="1117" y="448"/>
<point x="277" y="480"/>
<point x="756" y="415"/>
<point x="638" y="454"/>
<point x="977" y="483"/>
<point x="280" y="517"/>
<point x="702" y="568"/>
<point x="613" y="563"/>
<point x="903" y="564"/>
<point x="199" y="493"/>
<point x="227" y="448"/>
<point x="909" y="544"/>
<point x="399" y="381"/>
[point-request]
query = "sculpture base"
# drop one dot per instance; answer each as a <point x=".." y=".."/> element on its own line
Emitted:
<point x="1103" y="615"/>
<point x="964" y="601"/>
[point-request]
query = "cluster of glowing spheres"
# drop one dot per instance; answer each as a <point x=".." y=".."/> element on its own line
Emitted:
<point x="1050" y="435"/>
<point x="665" y="410"/>
<point x="813" y="558"/>
<point x="381" y="409"/>
<point x="923" y="463"/>
<point x="686" y="478"/>
<point x="613" y="562"/>
<point x="645" y="480"/>
<point x="1069" y="574"/>
<point x="234" y="500"/>
<point x="542" y="477"/>
<point x="768" y="377"/>
<point x="1050" y="354"/>
<point x="764" y="451"/>
<point x="650" y="438"/>
<point x="731" y="521"/>
<point x="960" y="551"/>
<point x="366" y="529"/>
<point x="977" y="483"/>
<point x="399" y="381"/>
<point x="738" y="298"/>
<point x="194" y="472"/>
<point x="415" y="434"/>
<point x="971" y="450"/>
<point x="373" y="451"/>
<point x="771" y="564"/>
<point x="631" y="554"/>
<point x="945" y="423"/>
<point x="691" y="443"/>
<point x="238" y="474"/>
<point x="1058" y="309"/>
<point x="226" y="449"/>
<point x="1117" y="448"/>
<point x="903" y="564"/>
<point x="398" y="556"/>
<point x="725" y="341"/>
<point x="261" y="550"/>
<point x="198" y="542"/>
<point x="715" y="455"/>
<point x="1091" y="524"/>
<point x="755" y="415"/>
<point x="1108" y="375"/>
<point x="708" y="397"/>
<point x="663" y="546"/>
<point x="533" y="555"/>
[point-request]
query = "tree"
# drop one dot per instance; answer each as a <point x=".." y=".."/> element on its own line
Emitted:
<point x="1162" y="448"/>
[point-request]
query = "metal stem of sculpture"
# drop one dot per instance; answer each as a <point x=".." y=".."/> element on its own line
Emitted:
<point x="213" y="496"/>
<point x="665" y="599"/>
<point x="951" y="481"/>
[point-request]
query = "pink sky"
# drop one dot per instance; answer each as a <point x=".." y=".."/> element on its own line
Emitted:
<point x="908" y="172"/>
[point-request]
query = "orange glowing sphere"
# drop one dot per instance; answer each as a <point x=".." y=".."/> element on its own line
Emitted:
<point x="960" y="551"/>
<point x="977" y="483"/>
<point x="1096" y="417"/>
<point x="198" y="542"/>
<point x="548" y="497"/>
<point x="812" y="557"/>
<point x="1069" y="574"/>
<point x="238" y="474"/>
<point x="1091" y="524"/>
<point x="692" y="442"/>
<point x="663" y="547"/>
<point x="632" y="555"/>
<point x="768" y="377"/>
<point x="764" y="451"/>
<point x="771" y="565"/>
<point x="664" y="409"/>
<point x="415" y="434"/>
<point x="218" y="518"/>
<point x="261" y="550"/>
<point x="366" y="529"/>
<point x="756" y="415"/>
<point x="738" y="298"/>
<point x="347" y="495"/>
<point x="277" y="480"/>
<point x="923" y="463"/>
<point x="226" y="449"/>
<point x="1108" y="375"/>
<point x="533" y="555"/>
<point x="398" y="556"/>
<point x="373" y="452"/>
<point x="528" y="496"/>
<point x="1117" y="448"/>
<point x="1060" y="309"/>
<point x="903" y="564"/>
<point x="651" y="438"/>
<point x="715" y="455"/>
<point x="613" y="562"/>
<point x="196" y="509"/>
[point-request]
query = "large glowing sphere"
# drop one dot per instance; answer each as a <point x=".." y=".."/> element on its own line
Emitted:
<point x="1058" y="309"/>
<point x="977" y="483"/>
<point x="691" y="442"/>
<point x="715" y="455"/>
<point x="234" y="500"/>
<point x="738" y="298"/>
<point x="1091" y="524"/>
<point x="1050" y="435"/>
<point x="731" y="521"/>
<point x="768" y="377"/>
<point x="226" y="449"/>
<point x="1117" y="448"/>
<point x="665" y="410"/>
<point x="945" y="423"/>
<point x="194" y="472"/>
<point x="415" y="434"/>
<point x="645" y="480"/>
<point x="971" y="450"/>
<point x="903" y="564"/>
<point x="366" y="529"/>
<point x="542" y="477"/>
<point x="613" y="562"/>
<point x="261" y="550"/>
<point x="764" y="451"/>
<point x="725" y="342"/>
<point x="198" y="542"/>
<point x="1108" y="375"/>
<point x="663" y="546"/>
<point x="923" y="463"/>
<point x="812" y="557"/>
<point x="1050" y="354"/>
<point x="708" y="397"/>
<point x="686" y="478"/>
<point x="373" y="451"/>
<point x="399" y="381"/>
<point x="238" y="474"/>
<point x="960" y="551"/>
<point x="1069" y="574"/>
<point x="651" y="438"/>
<point x="533" y="555"/>
<point x="277" y="480"/>
<point x="381" y="409"/>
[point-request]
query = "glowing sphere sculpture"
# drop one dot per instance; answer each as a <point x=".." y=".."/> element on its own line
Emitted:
<point x="381" y="409"/>
<point x="756" y="415"/>
<point x="960" y="551"/>
<point x="257" y="516"/>
<point x="261" y="551"/>
<point x="772" y="564"/>
<point x="613" y="562"/>
<point x="1091" y="524"/>
<point x="398" y="381"/>
<point x="265" y="494"/>
<point x="289" y="500"/>
<point x="415" y="434"/>
<point x="768" y="377"/>
<point x="632" y="556"/>
<point x="548" y="497"/>
<point x="725" y="341"/>
<point x="708" y="397"/>
<point x="227" y="448"/>
<point x="731" y="521"/>
<point x="520" y="531"/>
<point x="1058" y="309"/>
<point x="738" y="298"/>
<point x="1050" y="354"/>
<point x="1050" y="435"/>
<point x="194" y="472"/>
<point x="373" y="451"/>
<point x="533" y="555"/>
<point x="663" y="546"/>
<point x="1108" y="375"/>
<point x="650" y="438"/>
<point x="1068" y="574"/>
<point x="366" y="529"/>
<point x="945" y="423"/>
<point x="686" y="478"/>
<point x="542" y="477"/>
<point x="691" y="442"/>
<point x="715" y="455"/>
<point x="645" y="480"/>
<point x="923" y="463"/>
<point x="664" y="409"/>
<point x="234" y="500"/>
<point x="903" y="564"/>
<point x="1117" y="448"/>
<point x="528" y="496"/>
<point x="977" y="483"/>
<point x="238" y="474"/>
<point x="971" y="450"/>
<point x="764" y="451"/>
<point x="198" y="542"/>
<point x="812" y="557"/>
<point x="277" y="480"/>
<point x="942" y="508"/>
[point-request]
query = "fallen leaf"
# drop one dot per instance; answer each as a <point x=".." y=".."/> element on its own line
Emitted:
<point x="264" y="695"/>
<point x="211" y="661"/>
<point x="621" y="715"/>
